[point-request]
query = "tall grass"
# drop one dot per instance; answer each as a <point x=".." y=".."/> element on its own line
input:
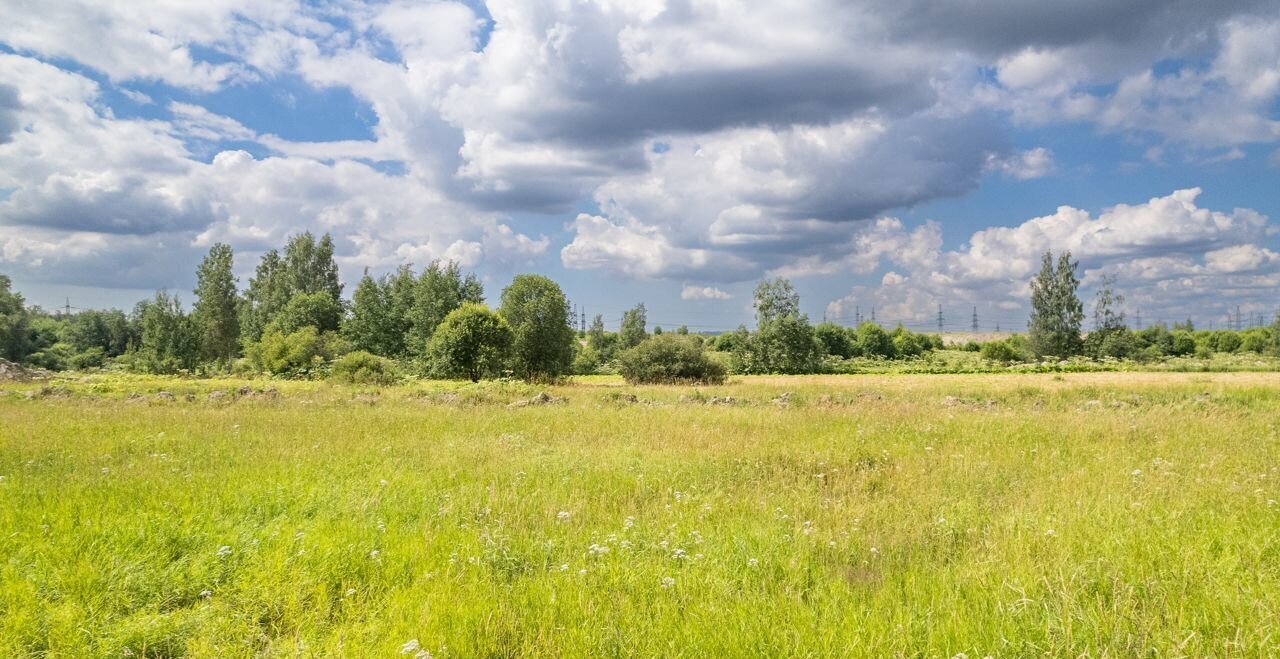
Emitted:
<point x="1098" y="514"/>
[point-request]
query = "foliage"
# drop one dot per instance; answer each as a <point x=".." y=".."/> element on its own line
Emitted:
<point x="307" y="267"/>
<point x="774" y="299"/>
<point x="439" y="290"/>
<point x="669" y="359"/>
<point x="1056" y="311"/>
<point x="836" y="340"/>
<point x="301" y="353"/>
<point x="360" y="367"/>
<point x="169" y="341"/>
<point x="215" y="314"/>
<point x="873" y="341"/>
<point x="784" y="344"/>
<point x="632" y="332"/>
<point x="472" y="342"/>
<point x="542" y="341"/>
<point x="319" y="310"/>
<point x="1011" y="349"/>
<point x="14" y="339"/>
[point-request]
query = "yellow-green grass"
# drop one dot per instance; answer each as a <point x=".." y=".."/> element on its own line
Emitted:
<point x="1103" y="514"/>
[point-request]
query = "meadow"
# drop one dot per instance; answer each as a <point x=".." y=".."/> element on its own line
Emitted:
<point x="1015" y="515"/>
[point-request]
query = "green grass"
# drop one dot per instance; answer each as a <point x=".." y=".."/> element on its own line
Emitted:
<point x="1092" y="514"/>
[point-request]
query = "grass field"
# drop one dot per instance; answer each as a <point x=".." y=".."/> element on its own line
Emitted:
<point x="1092" y="514"/>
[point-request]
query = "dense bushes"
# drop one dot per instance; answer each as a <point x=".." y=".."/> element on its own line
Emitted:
<point x="361" y="367"/>
<point x="472" y="342"/>
<point x="669" y="359"/>
<point x="299" y="354"/>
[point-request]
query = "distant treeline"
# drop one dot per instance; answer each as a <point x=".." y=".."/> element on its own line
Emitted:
<point x="291" y="321"/>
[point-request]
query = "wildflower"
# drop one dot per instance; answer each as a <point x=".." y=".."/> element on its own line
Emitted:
<point x="1136" y="472"/>
<point x="668" y="582"/>
<point x="679" y="554"/>
<point x="374" y="554"/>
<point x="597" y="550"/>
<point x="875" y="552"/>
<point x="626" y="523"/>
<point x="206" y="593"/>
<point x="564" y="568"/>
<point x="350" y="592"/>
<point x="411" y="646"/>
<point x="753" y="562"/>
<point x="224" y="550"/>
<point x="1049" y="532"/>
<point x="562" y="516"/>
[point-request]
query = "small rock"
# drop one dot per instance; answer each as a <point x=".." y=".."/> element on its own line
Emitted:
<point x="164" y="395"/>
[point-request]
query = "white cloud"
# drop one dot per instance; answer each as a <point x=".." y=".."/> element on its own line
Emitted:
<point x="1167" y="252"/>
<point x="691" y="292"/>
<point x="1025" y="165"/>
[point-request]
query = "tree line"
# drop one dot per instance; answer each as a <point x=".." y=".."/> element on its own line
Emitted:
<point x="292" y="321"/>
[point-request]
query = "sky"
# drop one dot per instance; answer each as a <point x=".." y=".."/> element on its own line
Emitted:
<point x="888" y="155"/>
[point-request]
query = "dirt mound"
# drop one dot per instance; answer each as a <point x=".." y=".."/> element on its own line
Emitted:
<point x="543" y="398"/>
<point x="11" y="372"/>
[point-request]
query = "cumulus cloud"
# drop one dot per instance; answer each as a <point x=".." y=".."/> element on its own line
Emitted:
<point x="1167" y="252"/>
<point x="717" y="140"/>
<point x="691" y="292"/>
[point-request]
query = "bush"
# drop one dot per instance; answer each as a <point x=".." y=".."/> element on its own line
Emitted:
<point x="1012" y="349"/>
<point x="471" y="342"/>
<point x="782" y="345"/>
<point x="835" y="340"/>
<point x="873" y="341"/>
<point x="361" y="367"/>
<point x="669" y="359"/>
<point x="299" y="354"/>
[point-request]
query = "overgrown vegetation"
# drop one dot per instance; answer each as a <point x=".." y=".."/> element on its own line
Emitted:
<point x="1037" y="515"/>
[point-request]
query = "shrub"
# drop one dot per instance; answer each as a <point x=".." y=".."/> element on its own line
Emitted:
<point x="361" y="367"/>
<point x="873" y="341"/>
<point x="471" y="342"/>
<point x="293" y="355"/>
<point x="669" y="359"/>
<point x="1012" y="349"/>
<point x="782" y="345"/>
<point x="835" y="340"/>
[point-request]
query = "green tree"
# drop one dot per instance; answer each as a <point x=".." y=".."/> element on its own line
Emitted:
<point x="439" y="290"/>
<point x="1056" y="311"/>
<point x="873" y="341"/>
<point x="169" y="340"/>
<point x="14" y="321"/>
<point x="785" y="344"/>
<point x="542" y="341"/>
<point x="669" y="359"/>
<point x="370" y="325"/>
<point x="604" y="345"/>
<point x="633" y="330"/>
<point x="835" y="340"/>
<point x="267" y="294"/>
<point x="318" y="310"/>
<point x="309" y="266"/>
<point x="775" y="298"/>
<point x="471" y="342"/>
<point x="215" y="312"/>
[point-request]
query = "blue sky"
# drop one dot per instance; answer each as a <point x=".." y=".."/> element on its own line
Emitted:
<point x="895" y="156"/>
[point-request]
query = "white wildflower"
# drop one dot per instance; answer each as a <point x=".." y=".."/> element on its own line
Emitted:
<point x="411" y="646"/>
<point x="206" y="593"/>
<point x="224" y="550"/>
<point x="679" y="554"/>
<point x="562" y="516"/>
<point x="668" y="582"/>
<point x="350" y="592"/>
<point x="753" y="562"/>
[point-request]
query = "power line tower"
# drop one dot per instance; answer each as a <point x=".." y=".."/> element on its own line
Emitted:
<point x="975" y="319"/>
<point x="857" y="316"/>
<point x="1239" y="320"/>
<point x="873" y="315"/>
<point x="939" y="318"/>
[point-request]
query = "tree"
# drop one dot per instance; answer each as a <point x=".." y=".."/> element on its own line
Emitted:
<point x="782" y="345"/>
<point x="368" y="328"/>
<point x="439" y="290"/>
<point x="267" y="294"/>
<point x="835" y="340"/>
<point x="873" y="341"/>
<point x="14" y="321"/>
<point x="471" y="342"/>
<point x="318" y="310"/>
<point x="669" y="359"/>
<point x="169" y="340"/>
<point x="602" y="344"/>
<point x="215" y="313"/>
<point x="542" y="341"/>
<point x="775" y="298"/>
<point x="309" y="266"/>
<point x="1056" y="311"/>
<point x="633" y="332"/>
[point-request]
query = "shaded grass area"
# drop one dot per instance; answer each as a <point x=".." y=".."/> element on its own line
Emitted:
<point x="1107" y="514"/>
